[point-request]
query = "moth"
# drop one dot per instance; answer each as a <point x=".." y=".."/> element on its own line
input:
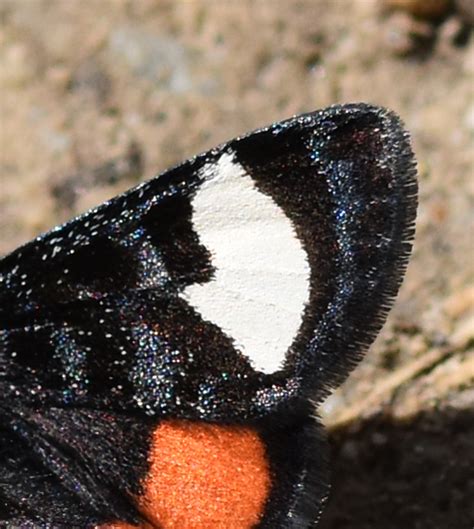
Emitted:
<point x="162" y="355"/>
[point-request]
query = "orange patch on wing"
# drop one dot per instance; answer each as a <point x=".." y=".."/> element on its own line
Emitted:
<point x="204" y="476"/>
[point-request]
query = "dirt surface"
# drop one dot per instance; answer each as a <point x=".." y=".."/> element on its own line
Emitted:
<point x="97" y="95"/>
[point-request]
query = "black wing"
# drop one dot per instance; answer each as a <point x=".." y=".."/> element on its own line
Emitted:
<point x="91" y="312"/>
<point x="99" y="343"/>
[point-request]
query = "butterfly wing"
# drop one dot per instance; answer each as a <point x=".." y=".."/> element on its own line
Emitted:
<point x="348" y="183"/>
<point x="234" y="287"/>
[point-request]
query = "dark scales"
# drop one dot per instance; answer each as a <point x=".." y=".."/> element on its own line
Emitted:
<point x="97" y="347"/>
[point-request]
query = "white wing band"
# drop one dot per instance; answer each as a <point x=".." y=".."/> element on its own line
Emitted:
<point x="261" y="283"/>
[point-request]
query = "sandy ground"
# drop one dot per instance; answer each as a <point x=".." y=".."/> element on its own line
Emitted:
<point x="99" y="94"/>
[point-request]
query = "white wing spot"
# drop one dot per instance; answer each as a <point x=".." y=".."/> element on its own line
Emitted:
<point x="261" y="283"/>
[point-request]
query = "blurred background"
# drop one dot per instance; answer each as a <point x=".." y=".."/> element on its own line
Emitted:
<point x="97" y="95"/>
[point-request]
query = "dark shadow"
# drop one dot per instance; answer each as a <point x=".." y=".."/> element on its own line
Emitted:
<point x="411" y="475"/>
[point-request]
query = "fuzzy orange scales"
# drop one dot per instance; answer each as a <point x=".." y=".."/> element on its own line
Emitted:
<point x="204" y="476"/>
